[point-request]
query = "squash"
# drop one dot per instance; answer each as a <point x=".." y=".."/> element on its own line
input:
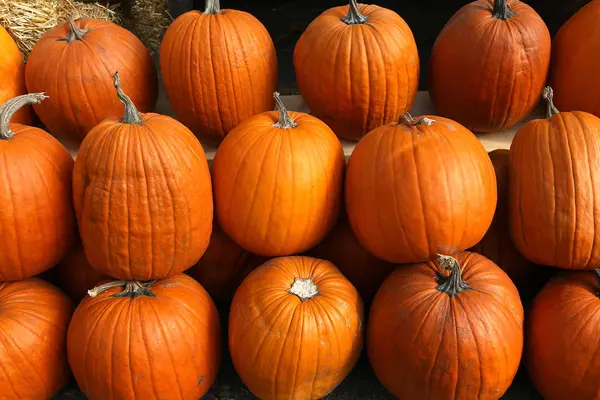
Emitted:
<point x="143" y="196"/>
<point x="277" y="180"/>
<point x="357" y="68"/>
<point x="295" y="328"/>
<point x="76" y="276"/>
<point x="433" y="335"/>
<point x="33" y="329"/>
<point x="73" y="62"/>
<point x="489" y="64"/>
<point x="151" y="340"/>
<point x="554" y="189"/>
<point x="420" y="187"/>
<point x="12" y="70"/>
<point x="37" y="224"/>
<point x="233" y="74"/>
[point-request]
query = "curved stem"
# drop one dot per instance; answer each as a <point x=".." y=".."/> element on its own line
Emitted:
<point x="548" y="95"/>
<point x="212" y="7"/>
<point x="597" y="271"/>
<point x="131" y="115"/>
<point x="76" y="33"/>
<point x="9" y="109"/>
<point x="285" y="121"/>
<point x="304" y="288"/>
<point x="501" y="10"/>
<point x="132" y="289"/>
<point x="354" y="16"/>
<point x="407" y="119"/>
<point x="451" y="284"/>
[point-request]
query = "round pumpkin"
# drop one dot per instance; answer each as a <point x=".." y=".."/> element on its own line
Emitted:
<point x="277" y="179"/>
<point x="12" y="71"/>
<point x="295" y="328"/>
<point x="153" y="340"/>
<point x="33" y="330"/>
<point x="36" y="217"/>
<point x="420" y="187"/>
<point x="439" y="335"/>
<point x="233" y="74"/>
<point x="143" y="196"/>
<point x="73" y="63"/>
<point x="554" y="196"/>
<point x="489" y="64"/>
<point x="357" y="68"/>
<point x="76" y="276"/>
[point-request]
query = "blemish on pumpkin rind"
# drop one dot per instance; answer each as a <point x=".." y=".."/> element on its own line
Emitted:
<point x="200" y="380"/>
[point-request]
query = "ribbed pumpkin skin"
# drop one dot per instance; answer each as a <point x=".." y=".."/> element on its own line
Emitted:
<point x="164" y="347"/>
<point x="415" y="191"/>
<point x="357" y="77"/>
<point x="424" y="344"/>
<point x="555" y="190"/>
<point x="218" y="70"/>
<point x="33" y="330"/>
<point x="77" y="76"/>
<point x="76" y="276"/>
<point x="278" y="191"/>
<point x="37" y="223"/>
<point x="283" y="347"/>
<point x="12" y="71"/>
<point x="143" y="198"/>
<point x="486" y="73"/>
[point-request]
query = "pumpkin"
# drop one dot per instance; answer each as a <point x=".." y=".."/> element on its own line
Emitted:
<point x="143" y="196"/>
<point x="151" y="340"/>
<point x="562" y="338"/>
<point x="36" y="217"/>
<point x="73" y="63"/>
<point x="357" y="68"/>
<point x="433" y="335"/>
<point x="234" y="69"/>
<point x="277" y="179"/>
<point x="33" y="329"/>
<point x="295" y="328"/>
<point x="76" y="276"/>
<point x="489" y="64"/>
<point x="554" y="182"/>
<point x="419" y="187"/>
<point x="12" y="70"/>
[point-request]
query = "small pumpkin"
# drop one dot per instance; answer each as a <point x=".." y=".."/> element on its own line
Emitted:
<point x="12" y="71"/>
<point x="295" y="328"/>
<point x="151" y="340"/>
<point x="234" y="69"/>
<point x="143" y="195"/>
<point x="76" y="276"/>
<point x="278" y="182"/>
<point x="433" y="335"/>
<point x="36" y="217"/>
<point x="489" y="64"/>
<point x="357" y="68"/>
<point x="33" y="330"/>
<point x="420" y="187"/>
<point x="73" y="62"/>
<point x="554" y="178"/>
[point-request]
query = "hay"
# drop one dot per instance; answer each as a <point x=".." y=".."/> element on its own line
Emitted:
<point x="27" y="20"/>
<point x="150" y="19"/>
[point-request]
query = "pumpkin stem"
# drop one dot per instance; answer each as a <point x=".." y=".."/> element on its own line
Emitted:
<point x="548" y="95"/>
<point x="304" y="288"/>
<point x="354" y="16"/>
<point x="212" y="7"/>
<point x="285" y="121"/>
<point x="76" y="33"/>
<point x="501" y="10"/>
<point x="408" y="119"/>
<point x="132" y="289"/>
<point x="451" y="284"/>
<point x="131" y="115"/>
<point x="9" y="109"/>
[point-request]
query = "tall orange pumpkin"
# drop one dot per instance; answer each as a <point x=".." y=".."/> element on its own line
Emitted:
<point x="489" y="64"/>
<point x="33" y="330"/>
<point x="76" y="276"/>
<point x="151" y="341"/>
<point x="295" y="329"/>
<point x="143" y="195"/>
<point x="420" y="187"/>
<point x="73" y="63"/>
<point x="278" y="181"/>
<point x="36" y="217"/>
<point x="357" y="68"/>
<point x="219" y="68"/>
<point x="554" y="178"/>
<point x="438" y="336"/>
<point x="12" y="71"/>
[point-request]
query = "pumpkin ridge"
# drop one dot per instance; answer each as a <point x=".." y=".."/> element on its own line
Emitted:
<point x="11" y="202"/>
<point x="460" y="304"/>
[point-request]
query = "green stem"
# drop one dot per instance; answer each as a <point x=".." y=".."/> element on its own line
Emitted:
<point x="451" y="284"/>
<point x="9" y="109"/>
<point x="501" y="10"/>
<point x="548" y="95"/>
<point x="354" y="16"/>
<point x="131" y="115"/>
<point x="212" y="7"/>
<point x="285" y="121"/>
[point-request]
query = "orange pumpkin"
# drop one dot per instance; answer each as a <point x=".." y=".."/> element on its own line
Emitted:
<point x="278" y="181"/>
<point x="489" y="64"/>
<point x="151" y="341"/>
<point x="420" y="187"/>
<point x="73" y="63"/>
<point x="554" y="178"/>
<point x="76" y="276"/>
<point x="33" y="329"/>
<point x="295" y="329"/>
<point x="357" y="68"/>
<point x="143" y="196"/>
<point x="36" y="217"/>
<point x="12" y="71"/>
<point x="233" y="74"/>
<point x="438" y="336"/>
